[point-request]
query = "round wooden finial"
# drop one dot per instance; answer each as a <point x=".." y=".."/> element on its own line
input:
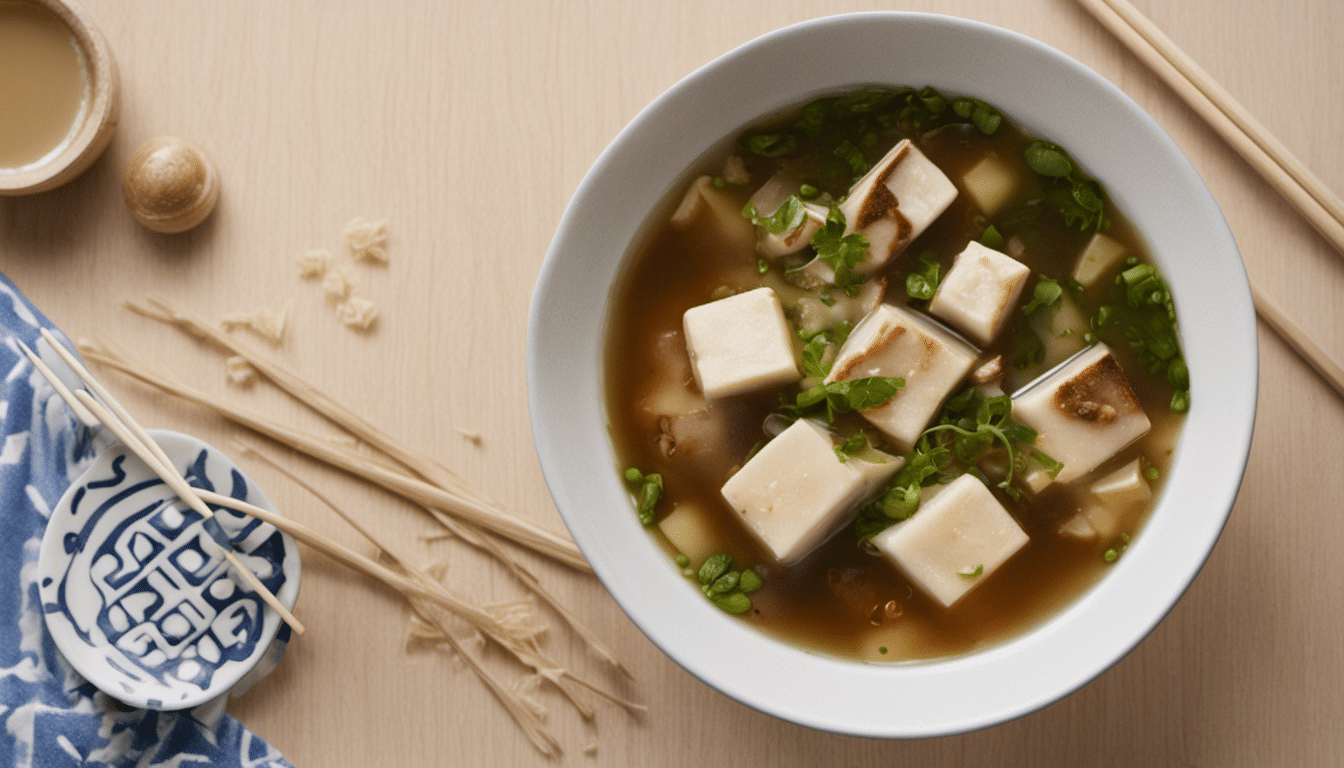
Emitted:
<point x="170" y="185"/>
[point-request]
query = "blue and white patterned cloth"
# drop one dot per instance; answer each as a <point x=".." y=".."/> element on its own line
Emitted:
<point x="51" y="716"/>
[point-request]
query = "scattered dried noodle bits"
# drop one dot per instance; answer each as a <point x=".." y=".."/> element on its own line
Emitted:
<point x="264" y="323"/>
<point x="313" y="263"/>
<point x="339" y="282"/>
<point x="357" y="312"/>
<point x="367" y="240"/>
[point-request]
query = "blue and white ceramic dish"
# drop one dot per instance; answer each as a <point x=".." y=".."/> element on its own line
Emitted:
<point x="135" y="588"/>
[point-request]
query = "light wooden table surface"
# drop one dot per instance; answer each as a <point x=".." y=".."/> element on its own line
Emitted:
<point x="468" y="125"/>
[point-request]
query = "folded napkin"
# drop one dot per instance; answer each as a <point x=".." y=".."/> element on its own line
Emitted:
<point x="51" y="716"/>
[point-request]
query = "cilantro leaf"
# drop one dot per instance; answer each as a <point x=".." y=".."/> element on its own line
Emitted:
<point x="844" y="396"/>
<point x="1046" y="293"/>
<point x="772" y="144"/>
<point x="923" y="282"/>
<point x="839" y="251"/>
<point x="789" y="216"/>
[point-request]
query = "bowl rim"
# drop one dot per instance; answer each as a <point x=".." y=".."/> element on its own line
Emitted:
<point x="953" y="688"/>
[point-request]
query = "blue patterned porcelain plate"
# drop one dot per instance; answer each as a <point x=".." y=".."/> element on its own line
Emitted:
<point x="139" y="598"/>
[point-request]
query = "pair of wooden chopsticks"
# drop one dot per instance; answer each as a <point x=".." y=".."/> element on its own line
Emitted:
<point x="120" y="423"/>
<point x="1300" y="187"/>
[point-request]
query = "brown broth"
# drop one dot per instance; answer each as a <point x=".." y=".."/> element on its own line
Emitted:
<point x="836" y="600"/>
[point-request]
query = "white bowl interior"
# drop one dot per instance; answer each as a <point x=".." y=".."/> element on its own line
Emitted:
<point x="1050" y="96"/>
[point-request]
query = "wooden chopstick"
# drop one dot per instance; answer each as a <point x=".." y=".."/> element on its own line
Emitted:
<point x="1275" y="318"/>
<point x="138" y="441"/>
<point x="1322" y="209"/>
<point x="81" y="413"/>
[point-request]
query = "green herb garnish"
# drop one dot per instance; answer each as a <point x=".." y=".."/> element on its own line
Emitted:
<point x="1146" y="467"/>
<point x="1077" y="197"/>
<point x="649" y="490"/>
<point x="1046" y="293"/>
<point x="851" y="445"/>
<point x="991" y="238"/>
<point x="844" y="396"/>
<point x="841" y="252"/>
<point x="771" y="144"/>
<point x="971" y="573"/>
<point x="808" y="192"/>
<point x="1116" y="549"/>
<point x="923" y="282"/>
<point x="1148" y="316"/>
<point x="789" y="216"/>
<point x="852" y="155"/>
<point x="726" y="587"/>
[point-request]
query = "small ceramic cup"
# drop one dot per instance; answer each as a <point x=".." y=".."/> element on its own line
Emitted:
<point x="96" y="120"/>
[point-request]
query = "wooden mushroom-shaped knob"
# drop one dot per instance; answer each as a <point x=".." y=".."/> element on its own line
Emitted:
<point x="170" y="185"/>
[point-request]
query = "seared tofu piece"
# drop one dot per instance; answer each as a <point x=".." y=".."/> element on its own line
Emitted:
<point x="893" y="341"/>
<point x="1101" y="255"/>
<point x="990" y="184"/>
<point x="979" y="292"/>
<point x="795" y="492"/>
<point x="895" y="202"/>
<point x="739" y="344"/>
<point x="767" y="201"/>
<point x="955" y="541"/>
<point x="1084" y="412"/>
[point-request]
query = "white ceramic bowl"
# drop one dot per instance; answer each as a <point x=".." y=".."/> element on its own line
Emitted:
<point x="1050" y="96"/>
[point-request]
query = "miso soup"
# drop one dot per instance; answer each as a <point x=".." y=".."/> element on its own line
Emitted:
<point x="932" y="185"/>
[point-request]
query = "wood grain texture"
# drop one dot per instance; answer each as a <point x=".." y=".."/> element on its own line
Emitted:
<point x="468" y="125"/>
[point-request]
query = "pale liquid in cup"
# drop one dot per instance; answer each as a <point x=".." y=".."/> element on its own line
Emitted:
<point x="43" y="83"/>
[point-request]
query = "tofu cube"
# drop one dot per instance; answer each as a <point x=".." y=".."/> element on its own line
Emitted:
<point x="1078" y="528"/>
<point x="1115" y="498"/>
<point x="767" y="201"/>
<point x="895" y="202"/>
<point x="1061" y="327"/>
<point x="894" y="341"/>
<point x="714" y="212"/>
<point x="1124" y="488"/>
<point x="955" y="541"/>
<point x="795" y="492"/>
<point x="739" y="344"/>
<point x="1084" y="412"/>
<point x="1099" y="256"/>
<point x="979" y="292"/>
<point x="689" y="530"/>
<point x="990" y="184"/>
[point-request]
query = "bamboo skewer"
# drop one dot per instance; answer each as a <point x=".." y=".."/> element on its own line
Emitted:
<point x="538" y="539"/>
<point x="1224" y="115"/>
<point x="1322" y="209"/>
<point x="139" y="442"/>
